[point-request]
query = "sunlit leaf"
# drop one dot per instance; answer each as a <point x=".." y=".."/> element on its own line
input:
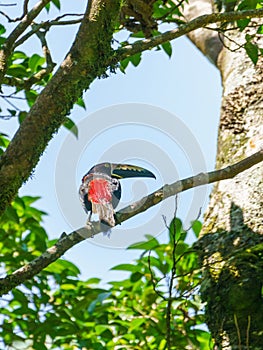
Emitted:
<point x="167" y="47"/>
<point x="196" y="227"/>
<point x="147" y="245"/>
<point x="136" y="59"/>
<point x="80" y="102"/>
<point x="31" y="96"/>
<point x="35" y="61"/>
<point x="71" y="126"/>
<point x="2" y="29"/>
<point x="56" y="3"/>
<point x="125" y="267"/>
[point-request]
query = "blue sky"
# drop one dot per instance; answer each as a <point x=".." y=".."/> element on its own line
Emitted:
<point x="186" y="86"/>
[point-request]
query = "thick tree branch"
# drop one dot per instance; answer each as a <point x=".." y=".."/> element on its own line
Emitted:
<point x="65" y="242"/>
<point x="84" y="63"/>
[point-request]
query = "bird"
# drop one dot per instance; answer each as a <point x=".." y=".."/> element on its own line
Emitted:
<point x="100" y="189"/>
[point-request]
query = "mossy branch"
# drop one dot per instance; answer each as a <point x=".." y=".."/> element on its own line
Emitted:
<point x="83" y="64"/>
<point x="65" y="242"/>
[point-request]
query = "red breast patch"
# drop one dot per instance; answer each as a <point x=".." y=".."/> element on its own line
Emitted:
<point x="99" y="191"/>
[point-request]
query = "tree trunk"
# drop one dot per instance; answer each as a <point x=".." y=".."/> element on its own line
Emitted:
<point x="231" y="246"/>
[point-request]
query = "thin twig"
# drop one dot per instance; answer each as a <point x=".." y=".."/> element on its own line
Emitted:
<point x="248" y="330"/>
<point x="25" y="23"/>
<point x="173" y="274"/>
<point x="154" y="283"/>
<point x="47" y="25"/>
<point x="8" y="4"/>
<point x="197" y="217"/>
<point x="238" y="332"/>
<point x="11" y="104"/>
<point x="25" y="12"/>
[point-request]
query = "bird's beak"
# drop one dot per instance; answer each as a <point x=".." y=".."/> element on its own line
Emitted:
<point x="122" y="171"/>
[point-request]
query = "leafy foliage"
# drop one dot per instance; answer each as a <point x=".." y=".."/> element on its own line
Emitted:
<point x="57" y="309"/>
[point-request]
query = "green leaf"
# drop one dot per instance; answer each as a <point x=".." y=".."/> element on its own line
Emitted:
<point x="35" y="61"/>
<point x="22" y="116"/>
<point x="181" y="248"/>
<point x="11" y="214"/>
<point x="123" y="64"/>
<point x="56" y="3"/>
<point x="20" y="296"/>
<point x="167" y="47"/>
<point x="80" y="102"/>
<point x="147" y="245"/>
<point x="136" y="323"/>
<point x="2" y="29"/>
<point x="60" y="266"/>
<point x="125" y="267"/>
<point x="71" y="126"/>
<point x="260" y="29"/>
<point x="102" y="328"/>
<point x="17" y="70"/>
<point x="12" y="112"/>
<point x="176" y="230"/>
<point x="196" y="227"/>
<point x="31" y="96"/>
<point x="243" y="23"/>
<point x="4" y="142"/>
<point x="18" y="203"/>
<point x="47" y="7"/>
<point x="136" y="59"/>
<point x="67" y="286"/>
<point x="30" y="199"/>
<point x="162" y="344"/>
<point x="2" y="40"/>
<point x="93" y="280"/>
<point x="139" y="34"/>
<point x="136" y="276"/>
<point x="252" y="51"/>
<point x="18" y="55"/>
<point x="247" y="5"/>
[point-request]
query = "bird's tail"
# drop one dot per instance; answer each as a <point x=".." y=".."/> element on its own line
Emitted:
<point x="105" y="211"/>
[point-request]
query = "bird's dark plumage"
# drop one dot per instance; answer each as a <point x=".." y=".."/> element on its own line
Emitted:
<point x="100" y="190"/>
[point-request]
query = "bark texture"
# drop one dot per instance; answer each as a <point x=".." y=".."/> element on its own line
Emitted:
<point x="231" y="247"/>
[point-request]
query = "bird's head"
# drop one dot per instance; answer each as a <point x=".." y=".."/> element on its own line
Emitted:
<point x="120" y="171"/>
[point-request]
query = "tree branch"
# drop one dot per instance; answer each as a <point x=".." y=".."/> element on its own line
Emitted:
<point x="6" y="51"/>
<point x="47" y="25"/>
<point x="84" y="63"/>
<point x="199" y="22"/>
<point x="89" y="57"/>
<point x="65" y="242"/>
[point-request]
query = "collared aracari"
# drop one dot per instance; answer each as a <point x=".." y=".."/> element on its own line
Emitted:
<point x="100" y="190"/>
